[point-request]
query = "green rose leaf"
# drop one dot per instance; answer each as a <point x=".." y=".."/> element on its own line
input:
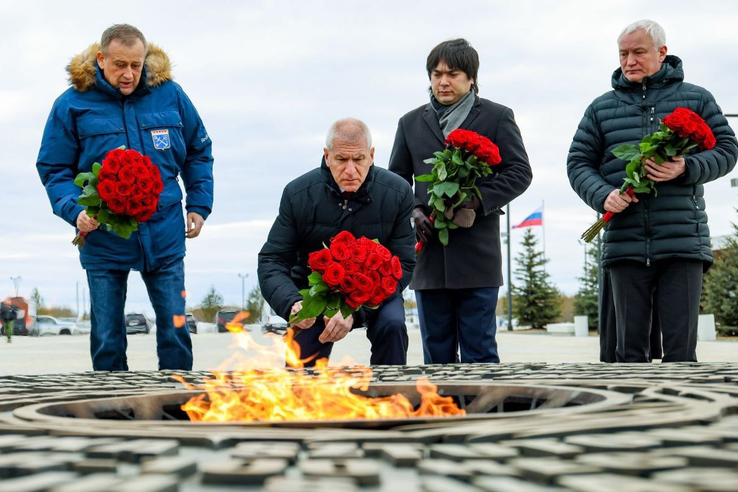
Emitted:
<point x="443" y="236"/>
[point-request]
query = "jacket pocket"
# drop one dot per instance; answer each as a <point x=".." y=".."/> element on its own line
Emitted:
<point x="97" y="137"/>
<point x="161" y="134"/>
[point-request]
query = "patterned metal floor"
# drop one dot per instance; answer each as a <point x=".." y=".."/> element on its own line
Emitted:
<point x="531" y="427"/>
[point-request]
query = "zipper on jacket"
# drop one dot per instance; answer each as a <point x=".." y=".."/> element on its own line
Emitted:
<point x="653" y="112"/>
<point x="644" y="91"/>
<point x="648" y="233"/>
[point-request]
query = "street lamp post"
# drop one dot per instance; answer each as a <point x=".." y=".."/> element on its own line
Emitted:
<point x="16" y="283"/>
<point x="243" y="290"/>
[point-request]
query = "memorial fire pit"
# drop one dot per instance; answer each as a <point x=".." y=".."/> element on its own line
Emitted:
<point x="583" y="427"/>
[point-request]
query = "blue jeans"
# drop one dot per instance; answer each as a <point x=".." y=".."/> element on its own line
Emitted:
<point x="458" y="319"/>
<point x="108" y="342"/>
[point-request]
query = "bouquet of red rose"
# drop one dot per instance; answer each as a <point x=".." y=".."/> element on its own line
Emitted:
<point x="678" y="133"/>
<point x="120" y="193"/>
<point x="348" y="274"/>
<point x="467" y="157"/>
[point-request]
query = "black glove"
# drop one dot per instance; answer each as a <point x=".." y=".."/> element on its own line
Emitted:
<point x="473" y="204"/>
<point x="423" y="225"/>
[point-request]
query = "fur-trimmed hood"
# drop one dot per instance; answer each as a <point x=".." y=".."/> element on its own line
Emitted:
<point x="83" y="67"/>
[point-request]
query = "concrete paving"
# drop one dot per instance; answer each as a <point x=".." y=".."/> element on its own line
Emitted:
<point x="62" y="354"/>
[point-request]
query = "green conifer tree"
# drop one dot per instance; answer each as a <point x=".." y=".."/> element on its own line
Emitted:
<point x="211" y="303"/>
<point x="720" y="284"/>
<point x="536" y="302"/>
<point x="585" y="302"/>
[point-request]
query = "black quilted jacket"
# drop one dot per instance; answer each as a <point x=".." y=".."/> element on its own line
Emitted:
<point x="312" y="211"/>
<point x="674" y="224"/>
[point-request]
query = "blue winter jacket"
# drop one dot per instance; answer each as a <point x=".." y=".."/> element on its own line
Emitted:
<point x="92" y="118"/>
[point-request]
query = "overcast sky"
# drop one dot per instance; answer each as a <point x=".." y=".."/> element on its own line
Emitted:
<point x="268" y="79"/>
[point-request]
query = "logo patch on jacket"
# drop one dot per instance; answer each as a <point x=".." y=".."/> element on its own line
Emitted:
<point x="161" y="139"/>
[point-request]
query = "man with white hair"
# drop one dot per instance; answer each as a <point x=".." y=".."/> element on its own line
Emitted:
<point x="346" y="193"/>
<point x="656" y="248"/>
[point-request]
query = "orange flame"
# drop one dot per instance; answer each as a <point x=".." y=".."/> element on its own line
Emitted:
<point x="277" y="394"/>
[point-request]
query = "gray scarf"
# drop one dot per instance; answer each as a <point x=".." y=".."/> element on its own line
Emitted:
<point x="451" y="117"/>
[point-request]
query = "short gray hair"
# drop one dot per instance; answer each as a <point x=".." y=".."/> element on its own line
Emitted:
<point x="349" y="129"/>
<point x="125" y="33"/>
<point x="652" y="28"/>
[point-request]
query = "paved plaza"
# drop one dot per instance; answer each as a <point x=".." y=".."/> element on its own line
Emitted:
<point x="549" y="418"/>
<point x="60" y="354"/>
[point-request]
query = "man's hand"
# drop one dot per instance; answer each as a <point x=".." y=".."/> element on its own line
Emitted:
<point x="304" y="324"/>
<point x="336" y="328"/>
<point x="473" y="204"/>
<point x="423" y="225"/>
<point x="667" y="171"/>
<point x="616" y="202"/>
<point x="85" y="223"/>
<point x="194" y="224"/>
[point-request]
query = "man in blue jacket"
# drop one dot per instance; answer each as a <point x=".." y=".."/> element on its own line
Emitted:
<point x="122" y="94"/>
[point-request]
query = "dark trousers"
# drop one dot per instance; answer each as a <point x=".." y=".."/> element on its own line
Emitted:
<point x="458" y="319"/>
<point x="608" y="327"/>
<point x="108" y="341"/>
<point x="673" y="288"/>
<point x="385" y="328"/>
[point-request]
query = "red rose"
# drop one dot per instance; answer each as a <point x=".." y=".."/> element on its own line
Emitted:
<point x="126" y="175"/>
<point x="144" y="215"/>
<point x="378" y="297"/>
<point x="334" y="274"/>
<point x="389" y="285"/>
<point x="110" y="164"/>
<point x="117" y="205"/>
<point x="106" y="189"/>
<point x="386" y="269"/>
<point x="154" y="173"/>
<point x="140" y="170"/>
<point x="364" y="283"/>
<point x="106" y="174"/>
<point x="340" y="251"/>
<point x="384" y="253"/>
<point x="367" y="244"/>
<point x="146" y="184"/>
<point x="158" y="186"/>
<point x="116" y="154"/>
<point x="343" y="237"/>
<point x="128" y="158"/>
<point x="318" y="261"/>
<point x="357" y="298"/>
<point x="347" y="285"/>
<point x="358" y="253"/>
<point x="134" y="208"/>
<point x="350" y="267"/>
<point x="123" y="189"/>
<point x="375" y="277"/>
<point x="147" y="161"/>
<point x="396" y="268"/>
<point x="373" y="261"/>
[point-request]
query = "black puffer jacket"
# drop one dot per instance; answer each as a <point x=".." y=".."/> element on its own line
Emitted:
<point x="674" y="224"/>
<point x="312" y="211"/>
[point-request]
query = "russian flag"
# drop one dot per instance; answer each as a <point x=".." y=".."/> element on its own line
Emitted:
<point x="534" y="219"/>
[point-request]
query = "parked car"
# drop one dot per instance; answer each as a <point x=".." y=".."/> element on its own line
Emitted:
<point x="191" y="323"/>
<point x="48" y="325"/>
<point x="137" y="323"/>
<point x="274" y="324"/>
<point x="83" y="327"/>
<point x="222" y="318"/>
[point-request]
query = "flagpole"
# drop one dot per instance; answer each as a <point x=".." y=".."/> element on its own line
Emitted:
<point x="509" y="272"/>
<point x="543" y="230"/>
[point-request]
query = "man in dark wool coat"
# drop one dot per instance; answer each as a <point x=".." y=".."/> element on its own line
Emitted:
<point x="347" y="192"/>
<point x="657" y="247"/>
<point x="456" y="286"/>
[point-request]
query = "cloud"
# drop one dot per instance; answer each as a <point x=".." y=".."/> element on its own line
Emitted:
<point x="268" y="78"/>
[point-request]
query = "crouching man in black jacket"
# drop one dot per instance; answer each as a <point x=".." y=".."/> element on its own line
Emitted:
<point x="346" y="193"/>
